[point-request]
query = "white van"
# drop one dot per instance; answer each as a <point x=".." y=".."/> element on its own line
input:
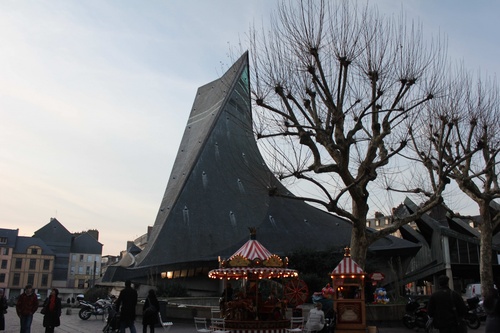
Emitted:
<point x="473" y="289"/>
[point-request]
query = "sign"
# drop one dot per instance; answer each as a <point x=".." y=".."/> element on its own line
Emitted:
<point x="377" y="276"/>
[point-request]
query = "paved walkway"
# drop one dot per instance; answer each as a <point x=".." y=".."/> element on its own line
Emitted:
<point x="71" y="323"/>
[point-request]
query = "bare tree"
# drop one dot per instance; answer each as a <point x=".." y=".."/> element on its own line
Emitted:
<point x="335" y="87"/>
<point x="464" y="133"/>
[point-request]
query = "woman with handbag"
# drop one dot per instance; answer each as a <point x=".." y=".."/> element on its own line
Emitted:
<point x="52" y="311"/>
<point x="150" y="312"/>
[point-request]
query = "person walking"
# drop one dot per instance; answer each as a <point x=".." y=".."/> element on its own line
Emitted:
<point x="26" y="306"/>
<point x="150" y="312"/>
<point x="52" y="311"/>
<point x="125" y="305"/>
<point x="3" y="309"/>
<point x="447" y="308"/>
<point x="316" y="318"/>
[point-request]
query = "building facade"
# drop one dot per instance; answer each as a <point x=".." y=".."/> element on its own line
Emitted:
<point x="52" y="258"/>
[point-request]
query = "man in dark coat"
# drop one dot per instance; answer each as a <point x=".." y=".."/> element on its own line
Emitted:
<point x="26" y="306"/>
<point x="446" y="307"/>
<point x="125" y="304"/>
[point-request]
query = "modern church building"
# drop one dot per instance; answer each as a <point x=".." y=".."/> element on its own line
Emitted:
<point x="219" y="187"/>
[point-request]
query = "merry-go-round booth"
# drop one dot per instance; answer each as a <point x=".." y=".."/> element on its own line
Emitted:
<point x="348" y="279"/>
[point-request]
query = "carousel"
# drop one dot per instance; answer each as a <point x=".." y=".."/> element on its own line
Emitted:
<point x="261" y="287"/>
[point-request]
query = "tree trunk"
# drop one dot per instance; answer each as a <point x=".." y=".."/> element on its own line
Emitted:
<point x="485" y="259"/>
<point x="359" y="246"/>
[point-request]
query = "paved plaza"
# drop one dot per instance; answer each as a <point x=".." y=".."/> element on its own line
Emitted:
<point x="71" y="323"/>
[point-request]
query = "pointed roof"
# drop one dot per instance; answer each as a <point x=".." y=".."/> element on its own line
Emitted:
<point x="252" y="250"/>
<point x="347" y="266"/>
<point x="253" y="260"/>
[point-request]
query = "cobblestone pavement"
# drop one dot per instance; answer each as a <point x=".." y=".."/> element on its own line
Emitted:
<point x="71" y="323"/>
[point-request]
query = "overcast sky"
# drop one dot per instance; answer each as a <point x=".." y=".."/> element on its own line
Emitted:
<point x="95" y="95"/>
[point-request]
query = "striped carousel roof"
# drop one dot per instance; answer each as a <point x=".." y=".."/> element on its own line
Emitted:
<point x="252" y="250"/>
<point x="347" y="266"/>
<point x="253" y="259"/>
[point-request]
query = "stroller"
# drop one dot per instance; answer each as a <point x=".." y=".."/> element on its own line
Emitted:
<point x="112" y="321"/>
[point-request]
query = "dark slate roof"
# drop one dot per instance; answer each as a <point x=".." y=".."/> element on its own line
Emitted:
<point x="86" y="243"/>
<point x="23" y="243"/>
<point x="219" y="186"/>
<point x="11" y="235"/>
<point x="55" y="235"/>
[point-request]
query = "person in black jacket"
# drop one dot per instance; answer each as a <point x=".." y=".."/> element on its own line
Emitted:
<point x="125" y="304"/>
<point x="52" y="311"/>
<point x="446" y="307"/>
<point x="150" y="312"/>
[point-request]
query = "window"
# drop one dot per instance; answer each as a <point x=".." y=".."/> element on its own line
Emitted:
<point x="45" y="280"/>
<point x="72" y="270"/>
<point x="5" y="251"/>
<point x="2" y="277"/>
<point x="73" y="257"/>
<point x="16" y="279"/>
<point x="377" y="222"/>
<point x="34" y="251"/>
<point x="46" y="264"/>
<point x="4" y="264"/>
<point x="80" y="269"/>
<point x="81" y="257"/>
<point x="81" y="283"/>
<point x="87" y="270"/>
<point x="32" y="264"/>
<point x="89" y="258"/>
<point x="31" y="279"/>
<point x="19" y="263"/>
<point x="3" y="240"/>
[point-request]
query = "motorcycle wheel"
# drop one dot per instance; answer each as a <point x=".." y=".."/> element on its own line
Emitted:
<point x="84" y="314"/>
<point x="473" y="322"/>
<point x="408" y="322"/>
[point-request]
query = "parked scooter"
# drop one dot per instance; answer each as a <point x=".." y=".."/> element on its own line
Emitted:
<point x="416" y="314"/>
<point x="99" y="308"/>
<point x="472" y="318"/>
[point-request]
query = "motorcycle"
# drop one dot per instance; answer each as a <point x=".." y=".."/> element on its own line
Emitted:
<point x="416" y="314"/>
<point x="99" y="308"/>
<point x="472" y="318"/>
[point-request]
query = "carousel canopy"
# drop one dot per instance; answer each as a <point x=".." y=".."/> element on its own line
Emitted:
<point x="253" y="260"/>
